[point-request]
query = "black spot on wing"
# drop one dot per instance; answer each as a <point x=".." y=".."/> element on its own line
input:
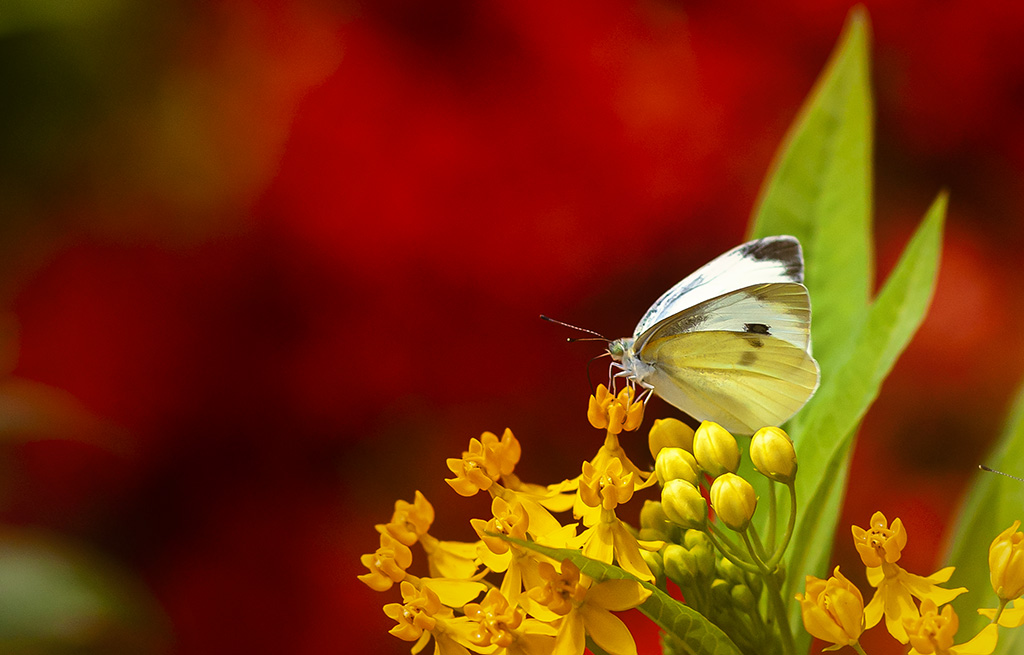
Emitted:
<point x="755" y="328"/>
<point x="748" y="358"/>
<point x="755" y="343"/>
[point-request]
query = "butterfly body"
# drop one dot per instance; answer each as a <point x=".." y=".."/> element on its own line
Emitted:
<point x="731" y="342"/>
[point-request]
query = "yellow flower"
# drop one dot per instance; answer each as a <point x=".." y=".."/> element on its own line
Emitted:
<point x="772" y="453"/>
<point x="606" y="487"/>
<point x="1006" y="563"/>
<point x="387" y="565"/>
<point x="510" y="520"/>
<point x="609" y="541"/>
<point x="932" y="633"/>
<point x="880" y="542"/>
<point x="615" y="413"/>
<point x="486" y="461"/>
<point x="833" y="609"/>
<point x="505" y="626"/>
<point x="421" y="615"/>
<point x="733" y="500"/>
<point x="586" y="609"/>
<point x="880" y="547"/>
<point x="715" y="449"/>
<point x="410" y="520"/>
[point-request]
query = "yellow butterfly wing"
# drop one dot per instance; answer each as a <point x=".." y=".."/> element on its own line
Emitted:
<point x="743" y="381"/>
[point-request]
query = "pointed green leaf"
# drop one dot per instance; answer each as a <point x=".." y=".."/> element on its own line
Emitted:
<point x="993" y="503"/>
<point x="819" y="190"/>
<point x="823" y="432"/>
<point x="696" y="633"/>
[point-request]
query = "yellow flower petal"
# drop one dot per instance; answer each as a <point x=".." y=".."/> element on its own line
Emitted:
<point x="617" y="595"/>
<point x="607" y="630"/>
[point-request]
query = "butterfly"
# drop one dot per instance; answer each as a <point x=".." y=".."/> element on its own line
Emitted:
<point x="731" y="342"/>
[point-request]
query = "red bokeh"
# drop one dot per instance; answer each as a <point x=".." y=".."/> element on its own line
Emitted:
<point x="418" y="182"/>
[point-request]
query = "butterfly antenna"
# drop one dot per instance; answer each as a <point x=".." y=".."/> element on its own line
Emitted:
<point x="592" y="360"/>
<point x="991" y="470"/>
<point x="600" y="337"/>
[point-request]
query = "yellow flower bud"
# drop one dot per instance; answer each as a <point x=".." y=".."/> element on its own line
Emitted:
<point x="715" y="449"/>
<point x="733" y="500"/>
<point x="669" y="433"/>
<point x="683" y="504"/>
<point x="1006" y="563"/>
<point x="832" y="610"/>
<point x="676" y="464"/>
<point x="773" y="455"/>
<point x="700" y="546"/>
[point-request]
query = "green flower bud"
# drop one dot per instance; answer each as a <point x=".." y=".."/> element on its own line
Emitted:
<point x="683" y="504"/>
<point x="700" y="546"/>
<point x="669" y="433"/>
<point x="680" y="565"/>
<point x="715" y="449"/>
<point x="756" y="584"/>
<point x="721" y="593"/>
<point x="676" y="464"/>
<point x="733" y="500"/>
<point x="654" y="562"/>
<point x="773" y="455"/>
<point x="653" y="518"/>
<point x="726" y="570"/>
<point x="743" y="598"/>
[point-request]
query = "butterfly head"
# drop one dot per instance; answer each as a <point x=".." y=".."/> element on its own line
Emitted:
<point x="620" y="348"/>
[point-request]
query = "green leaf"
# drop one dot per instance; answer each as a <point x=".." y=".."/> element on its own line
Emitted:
<point x="823" y="432"/>
<point x="819" y="190"/>
<point x="993" y="503"/>
<point x="697" y="634"/>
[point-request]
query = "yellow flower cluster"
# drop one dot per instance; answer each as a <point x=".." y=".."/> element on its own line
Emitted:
<point x="500" y="594"/>
<point x="833" y="610"/>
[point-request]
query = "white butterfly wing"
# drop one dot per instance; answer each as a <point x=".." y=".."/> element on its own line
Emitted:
<point x="742" y="381"/>
<point x="769" y="260"/>
<point x="781" y="310"/>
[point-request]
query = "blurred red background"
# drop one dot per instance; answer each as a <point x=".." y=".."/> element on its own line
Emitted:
<point x="267" y="264"/>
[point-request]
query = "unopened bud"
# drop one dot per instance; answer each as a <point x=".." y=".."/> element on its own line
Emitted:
<point x="773" y="455"/>
<point x="669" y="433"/>
<point x="715" y="449"/>
<point x="683" y="504"/>
<point x="676" y="464"/>
<point x="1006" y="563"/>
<point x="680" y="565"/>
<point x="733" y="500"/>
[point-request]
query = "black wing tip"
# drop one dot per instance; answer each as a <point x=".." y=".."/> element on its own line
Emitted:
<point x="784" y="249"/>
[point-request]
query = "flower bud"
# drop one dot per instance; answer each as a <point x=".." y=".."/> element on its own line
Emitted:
<point x="733" y="500"/>
<point x="773" y="455"/>
<point x="1006" y="563"/>
<point x="654" y="524"/>
<point x="730" y="572"/>
<point x="721" y="595"/>
<point x="832" y="610"/>
<point x="715" y="449"/>
<point x="655" y="562"/>
<point x="700" y="546"/>
<point x="683" y="504"/>
<point x="743" y="598"/>
<point x="669" y="433"/>
<point x="676" y="464"/>
<point x="680" y="565"/>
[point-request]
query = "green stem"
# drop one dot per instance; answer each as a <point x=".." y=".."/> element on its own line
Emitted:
<point x="790" y="525"/>
<point x="857" y="647"/>
<point x="999" y="612"/>
<point x="732" y="556"/>
<point x="761" y="553"/>
<point x="778" y="609"/>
